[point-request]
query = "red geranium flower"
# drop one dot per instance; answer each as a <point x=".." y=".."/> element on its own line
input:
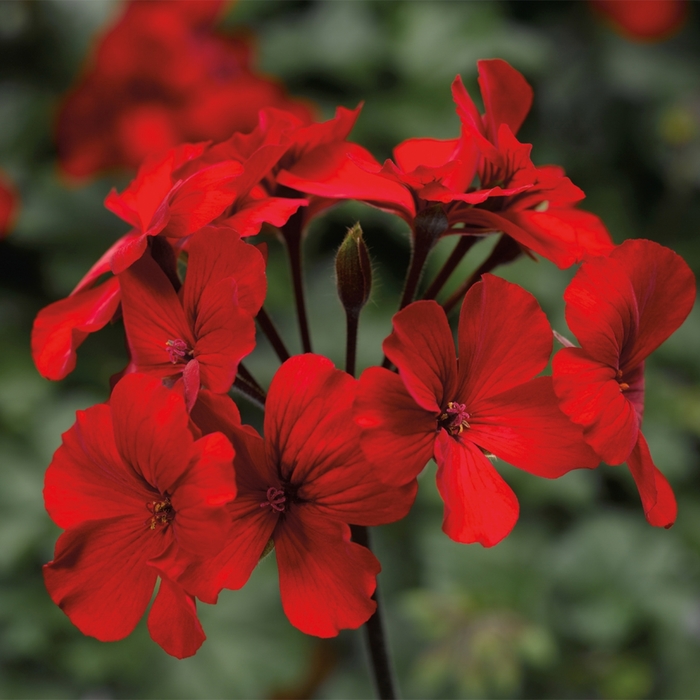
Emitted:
<point x="202" y="333"/>
<point x="161" y="76"/>
<point x="533" y="205"/>
<point x="461" y="412"/>
<point x="297" y="490"/>
<point x="129" y="485"/>
<point x="621" y="308"/>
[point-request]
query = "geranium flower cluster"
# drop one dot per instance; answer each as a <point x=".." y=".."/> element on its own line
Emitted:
<point x="160" y="76"/>
<point x="164" y="481"/>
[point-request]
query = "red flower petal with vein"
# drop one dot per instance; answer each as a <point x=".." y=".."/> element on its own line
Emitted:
<point x="298" y="490"/>
<point x="488" y="402"/>
<point x="203" y="337"/>
<point x="129" y="484"/>
<point x="621" y="308"/>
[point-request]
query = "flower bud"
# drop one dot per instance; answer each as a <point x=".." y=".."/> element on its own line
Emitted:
<point x="353" y="271"/>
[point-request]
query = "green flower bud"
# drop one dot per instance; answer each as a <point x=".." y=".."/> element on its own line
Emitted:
<point x="353" y="271"/>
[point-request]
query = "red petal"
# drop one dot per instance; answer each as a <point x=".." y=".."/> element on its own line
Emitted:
<point x="60" y="328"/>
<point x="99" y="576"/>
<point x="507" y="95"/>
<point x="601" y="310"/>
<point x="251" y="530"/>
<point x="664" y="287"/>
<point x="397" y="434"/>
<point x="428" y="153"/>
<point x="202" y="198"/>
<point x="525" y="427"/>
<point x="309" y="398"/>
<point x="153" y="315"/>
<point x="250" y="216"/>
<point x="657" y="496"/>
<point x="201" y="521"/>
<point x="225" y="335"/>
<point x="87" y="478"/>
<point x="329" y="172"/>
<point x="151" y="430"/>
<point x="173" y="622"/>
<point x="218" y="253"/>
<point x="590" y="395"/>
<point x="504" y="339"/>
<point x="191" y="383"/>
<point x="479" y="505"/>
<point x="326" y="581"/>
<point x="422" y="348"/>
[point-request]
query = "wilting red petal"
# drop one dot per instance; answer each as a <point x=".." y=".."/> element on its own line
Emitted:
<point x="504" y="339"/>
<point x="525" y="427"/>
<point x="479" y="505"/>
<point x="664" y="289"/>
<point x="87" y="478"/>
<point x="100" y="577"/>
<point x="657" y="496"/>
<point x="151" y="430"/>
<point x="422" y="348"/>
<point x="507" y="95"/>
<point x="397" y="434"/>
<point x="590" y="395"/>
<point x="173" y="622"/>
<point x="60" y="328"/>
<point x="326" y="581"/>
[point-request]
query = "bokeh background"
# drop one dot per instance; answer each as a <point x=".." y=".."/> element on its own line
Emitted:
<point x="583" y="599"/>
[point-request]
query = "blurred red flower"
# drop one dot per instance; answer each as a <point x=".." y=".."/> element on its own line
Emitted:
<point x="621" y="308"/>
<point x="644" y="20"/>
<point x="9" y="204"/>
<point x="160" y="76"/>
<point x="460" y="412"/>
<point x="133" y="489"/>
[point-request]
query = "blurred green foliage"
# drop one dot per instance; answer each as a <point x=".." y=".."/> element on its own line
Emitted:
<point x="584" y="599"/>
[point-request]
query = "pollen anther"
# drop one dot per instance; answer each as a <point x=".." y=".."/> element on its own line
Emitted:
<point x="276" y="499"/>
<point x="162" y="511"/>
<point x="178" y="351"/>
<point x="455" y="418"/>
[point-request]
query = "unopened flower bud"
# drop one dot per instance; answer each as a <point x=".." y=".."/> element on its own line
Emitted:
<point x="353" y="271"/>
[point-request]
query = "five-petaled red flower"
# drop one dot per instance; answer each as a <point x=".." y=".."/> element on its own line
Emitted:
<point x="621" y="308"/>
<point x="461" y="412"/>
<point x="299" y="488"/>
<point x="130" y="485"/>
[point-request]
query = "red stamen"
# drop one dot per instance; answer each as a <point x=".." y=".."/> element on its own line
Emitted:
<point x="178" y="351"/>
<point x="455" y="418"/>
<point x="276" y="499"/>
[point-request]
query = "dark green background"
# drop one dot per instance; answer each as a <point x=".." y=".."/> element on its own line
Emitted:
<point x="584" y="599"/>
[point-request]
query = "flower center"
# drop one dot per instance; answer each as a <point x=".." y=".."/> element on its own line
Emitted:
<point x="276" y="499"/>
<point x="162" y="513"/>
<point x="178" y="351"/>
<point x="623" y="385"/>
<point x="454" y="419"/>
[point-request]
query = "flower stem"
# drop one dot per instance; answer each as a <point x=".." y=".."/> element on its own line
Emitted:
<point x="374" y="634"/>
<point x="463" y="246"/>
<point x="269" y="329"/>
<point x="254" y="395"/>
<point x="292" y="231"/>
<point x="506" y="250"/>
<point x="249" y="378"/>
<point x="352" y="321"/>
